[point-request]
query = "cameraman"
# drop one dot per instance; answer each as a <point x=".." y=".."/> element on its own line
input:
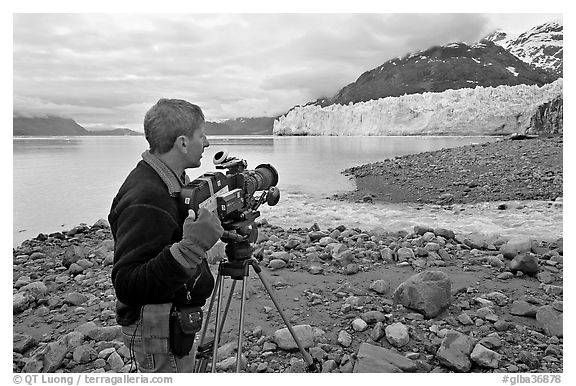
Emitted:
<point x="160" y="273"/>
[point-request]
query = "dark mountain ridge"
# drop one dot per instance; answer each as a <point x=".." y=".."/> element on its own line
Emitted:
<point x="439" y="68"/>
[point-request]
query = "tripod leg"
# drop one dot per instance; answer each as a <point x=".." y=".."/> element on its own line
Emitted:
<point x="217" y="327"/>
<point x="241" y="328"/>
<point x="201" y="364"/>
<point x="307" y="357"/>
<point x="207" y="319"/>
<point x="226" y="308"/>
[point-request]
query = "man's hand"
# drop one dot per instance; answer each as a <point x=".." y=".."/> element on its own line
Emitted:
<point x="204" y="232"/>
<point x="197" y="237"/>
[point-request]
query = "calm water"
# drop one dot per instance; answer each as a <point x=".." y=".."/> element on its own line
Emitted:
<point x="62" y="182"/>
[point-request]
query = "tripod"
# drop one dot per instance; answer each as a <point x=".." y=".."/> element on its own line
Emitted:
<point x="236" y="266"/>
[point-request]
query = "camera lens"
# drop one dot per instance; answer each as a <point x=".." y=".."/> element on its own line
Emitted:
<point x="262" y="178"/>
<point x="268" y="176"/>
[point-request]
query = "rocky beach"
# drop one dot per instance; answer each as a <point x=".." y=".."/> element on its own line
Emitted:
<point x="505" y="170"/>
<point x="429" y="298"/>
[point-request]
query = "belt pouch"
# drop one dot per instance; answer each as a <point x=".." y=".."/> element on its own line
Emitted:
<point x="185" y="322"/>
<point x="155" y="328"/>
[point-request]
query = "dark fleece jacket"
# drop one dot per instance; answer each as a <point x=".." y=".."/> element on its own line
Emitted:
<point x="145" y="221"/>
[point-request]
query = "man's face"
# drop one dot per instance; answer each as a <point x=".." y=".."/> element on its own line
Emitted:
<point x="196" y="145"/>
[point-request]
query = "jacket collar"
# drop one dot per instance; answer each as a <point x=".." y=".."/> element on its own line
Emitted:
<point x="173" y="183"/>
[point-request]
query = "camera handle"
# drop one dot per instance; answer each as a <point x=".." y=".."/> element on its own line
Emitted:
<point x="238" y="270"/>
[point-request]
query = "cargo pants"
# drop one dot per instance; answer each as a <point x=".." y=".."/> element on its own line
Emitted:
<point x="148" y="341"/>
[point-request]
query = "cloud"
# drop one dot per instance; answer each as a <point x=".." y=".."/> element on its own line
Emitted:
<point x="109" y="68"/>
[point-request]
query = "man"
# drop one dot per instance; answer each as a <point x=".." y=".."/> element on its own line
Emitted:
<point x="160" y="249"/>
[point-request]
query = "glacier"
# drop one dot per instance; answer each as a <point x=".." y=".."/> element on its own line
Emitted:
<point x="468" y="111"/>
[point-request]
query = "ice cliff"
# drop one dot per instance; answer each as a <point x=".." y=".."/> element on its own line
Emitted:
<point x="469" y="111"/>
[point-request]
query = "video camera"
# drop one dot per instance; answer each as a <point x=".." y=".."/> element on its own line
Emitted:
<point x="231" y="196"/>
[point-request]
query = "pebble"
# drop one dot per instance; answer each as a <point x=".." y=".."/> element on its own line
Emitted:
<point x="397" y="334"/>
<point x="380" y="286"/>
<point x="359" y="325"/>
<point x="344" y="339"/>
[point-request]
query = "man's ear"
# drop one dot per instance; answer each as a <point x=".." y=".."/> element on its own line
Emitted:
<point x="181" y="144"/>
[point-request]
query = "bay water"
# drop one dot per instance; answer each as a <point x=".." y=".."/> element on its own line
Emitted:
<point x="60" y="182"/>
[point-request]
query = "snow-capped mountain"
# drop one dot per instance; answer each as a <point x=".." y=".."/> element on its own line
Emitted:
<point x="541" y="46"/>
<point x="440" y="68"/>
<point x="499" y="36"/>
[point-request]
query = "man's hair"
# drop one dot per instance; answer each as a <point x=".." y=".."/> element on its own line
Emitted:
<point x="167" y="120"/>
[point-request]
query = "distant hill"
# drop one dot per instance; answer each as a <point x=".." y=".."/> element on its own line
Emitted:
<point x="49" y="125"/>
<point x="241" y="126"/>
<point x="119" y="131"/>
<point x="58" y="126"/>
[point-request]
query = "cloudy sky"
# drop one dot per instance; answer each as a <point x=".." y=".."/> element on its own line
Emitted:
<point x="106" y="70"/>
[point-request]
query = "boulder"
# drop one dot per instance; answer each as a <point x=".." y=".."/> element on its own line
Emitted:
<point x="422" y="229"/>
<point x="344" y="339"/>
<point x="101" y="224"/>
<point x="380" y="286"/>
<point x="284" y="340"/>
<point x="523" y="308"/>
<point x="75" y="298"/>
<point x="22" y="343"/>
<point x="324" y="241"/>
<point x="526" y="263"/>
<point x="550" y="320"/>
<point x="485" y="357"/>
<point x="115" y="361"/>
<point x="276" y="264"/>
<point x="359" y="325"/>
<point x="343" y="258"/>
<point x="85" y="328"/>
<point x="75" y="269"/>
<point x="487" y="313"/>
<point x="38" y="256"/>
<point x="377" y="332"/>
<point x="107" y="333"/>
<point x="85" y="354"/>
<point x="49" y="359"/>
<point x="316" y="235"/>
<point x="351" y="269"/>
<point x="109" y="259"/>
<point x="428" y="292"/>
<point x="405" y="254"/>
<point x="515" y="246"/>
<point x="474" y="241"/>
<point x="375" y="359"/>
<point x="447" y="234"/>
<point x="371" y="317"/>
<point x="387" y="254"/>
<point x="397" y="334"/>
<point x="455" y="350"/>
<point x="22" y="281"/>
<point x="19" y="302"/>
<point x="72" y="254"/>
